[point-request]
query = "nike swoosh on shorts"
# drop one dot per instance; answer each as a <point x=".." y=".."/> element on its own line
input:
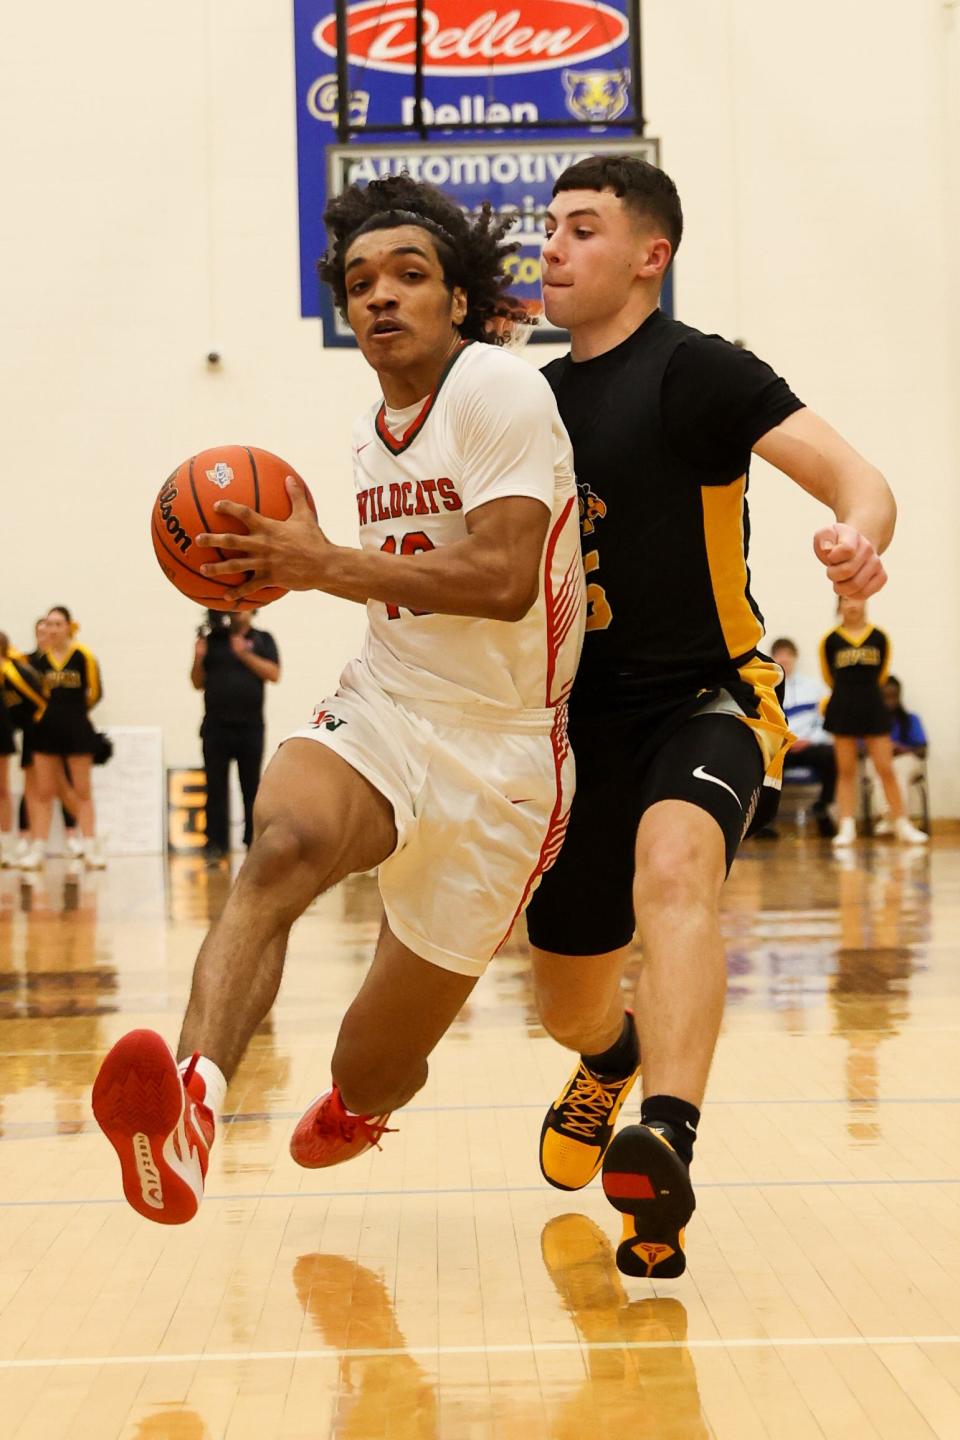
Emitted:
<point x="701" y="774"/>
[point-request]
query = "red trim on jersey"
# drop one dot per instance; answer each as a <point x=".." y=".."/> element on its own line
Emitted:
<point x="557" y="825"/>
<point x="553" y="603"/>
<point x="397" y="446"/>
<point x="561" y="609"/>
<point x="568" y="601"/>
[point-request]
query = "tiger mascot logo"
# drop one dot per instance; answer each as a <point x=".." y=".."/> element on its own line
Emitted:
<point x="596" y="96"/>
<point x="592" y="508"/>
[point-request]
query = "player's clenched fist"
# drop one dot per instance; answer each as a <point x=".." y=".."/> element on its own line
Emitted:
<point x="853" y="566"/>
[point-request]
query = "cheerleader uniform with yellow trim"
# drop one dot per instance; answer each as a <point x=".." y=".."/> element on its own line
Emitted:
<point x="855" y="666"/>
<point x="73" y="687"/>
<point x="22" y="699"/>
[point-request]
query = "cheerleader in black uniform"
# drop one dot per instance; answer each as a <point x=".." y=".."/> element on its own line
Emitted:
<point x="31" y="856"/>
<point x="71" y="677"/>
<point x="21" y="703"/>
<point x="7" y="748"/>
<point x="856" y="658"/>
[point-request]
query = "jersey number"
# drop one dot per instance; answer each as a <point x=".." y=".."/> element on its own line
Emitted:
<point x="599" y="613"/>
<point x="411" y="544"/>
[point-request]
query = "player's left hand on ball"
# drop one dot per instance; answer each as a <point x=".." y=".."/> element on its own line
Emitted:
<point x="853" y="566"/>
<point x="287" y="552"/>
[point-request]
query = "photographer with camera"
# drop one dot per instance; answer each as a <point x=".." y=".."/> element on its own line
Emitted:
<point x="232" y="663"/>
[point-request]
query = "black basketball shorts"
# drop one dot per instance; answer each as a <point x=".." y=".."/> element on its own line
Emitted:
<point x="584" y="903"/>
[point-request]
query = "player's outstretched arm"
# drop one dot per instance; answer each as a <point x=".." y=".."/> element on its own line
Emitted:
<point x="493" y="573"/>
<point x="821" y="462"/>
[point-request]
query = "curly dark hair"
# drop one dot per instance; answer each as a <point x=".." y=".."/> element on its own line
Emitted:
<point x="471" y="249"/>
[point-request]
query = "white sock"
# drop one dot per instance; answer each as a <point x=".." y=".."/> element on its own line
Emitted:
<point x="214" y="1081"/>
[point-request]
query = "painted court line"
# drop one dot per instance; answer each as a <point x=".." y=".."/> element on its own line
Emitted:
<point x="45" y="1129"/>
<point x="367" y="1194"/>
<point x="792" y="1342"/>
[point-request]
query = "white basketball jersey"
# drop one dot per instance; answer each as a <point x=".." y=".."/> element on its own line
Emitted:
<point x="489" y="430"/>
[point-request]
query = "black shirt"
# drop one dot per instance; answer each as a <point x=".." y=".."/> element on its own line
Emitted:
<point x="662" y="429"/>
<point x="855" y="661"/>
<point x="232" y="693"/>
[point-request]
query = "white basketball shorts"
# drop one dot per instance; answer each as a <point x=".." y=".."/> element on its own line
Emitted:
<point x="481" y="805"/>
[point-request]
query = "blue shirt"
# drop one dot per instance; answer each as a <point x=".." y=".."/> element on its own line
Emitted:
<point x="910" y="733"/>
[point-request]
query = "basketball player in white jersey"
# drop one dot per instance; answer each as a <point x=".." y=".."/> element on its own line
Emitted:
<point x="442" y="757"/>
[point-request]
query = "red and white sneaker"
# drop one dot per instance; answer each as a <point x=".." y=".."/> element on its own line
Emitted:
<point x="155" y="1119"/>
<point x="327" y="1133"/>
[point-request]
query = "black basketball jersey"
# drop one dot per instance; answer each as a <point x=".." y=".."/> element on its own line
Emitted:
<point x="662" y="428"/>
<point x="74" y="686"/>
<point x="855" y="661"/>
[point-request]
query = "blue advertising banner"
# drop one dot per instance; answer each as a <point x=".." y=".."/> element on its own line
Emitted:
<point x="486" y="62"/>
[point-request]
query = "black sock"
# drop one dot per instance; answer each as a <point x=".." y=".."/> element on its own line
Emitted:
<point x="678" y="1118"/>
<point x="623" y="1056"/>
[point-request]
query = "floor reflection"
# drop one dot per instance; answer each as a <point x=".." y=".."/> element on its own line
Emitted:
<point x="884" y="918"/>
<point x="260" y="1087"/>
<point x="196" y="891"/>
<point x="848" y="935"/>
<point x="57" y="977"/>
<point x="377" y="1395"/>
<point x="171" y="1423"/>
<point x="646" y="1394"/>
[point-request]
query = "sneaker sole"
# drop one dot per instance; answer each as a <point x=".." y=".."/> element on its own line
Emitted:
<point x="138" y="1102"/>
<point x="645" y="1179"/>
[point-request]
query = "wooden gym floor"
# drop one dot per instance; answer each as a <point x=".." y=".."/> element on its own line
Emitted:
<point x="439" y="1288"/>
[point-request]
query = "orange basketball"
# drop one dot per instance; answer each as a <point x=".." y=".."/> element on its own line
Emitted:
<point x="184" y="509"/>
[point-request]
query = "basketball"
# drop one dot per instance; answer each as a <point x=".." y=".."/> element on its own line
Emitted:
<point x="184" y="509"/>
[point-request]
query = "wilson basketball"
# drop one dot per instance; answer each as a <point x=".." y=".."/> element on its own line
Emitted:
<point x="184" y="509"/>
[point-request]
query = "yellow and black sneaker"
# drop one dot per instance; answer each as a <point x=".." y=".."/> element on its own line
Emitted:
<point x="646" y="1180"/>
<point x="579" y="1126"/>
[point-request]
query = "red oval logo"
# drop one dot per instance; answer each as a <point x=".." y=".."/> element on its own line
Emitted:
<point x="471" y="37"/>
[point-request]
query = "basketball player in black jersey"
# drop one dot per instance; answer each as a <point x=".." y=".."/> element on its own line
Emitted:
<point x="678" y="735"/>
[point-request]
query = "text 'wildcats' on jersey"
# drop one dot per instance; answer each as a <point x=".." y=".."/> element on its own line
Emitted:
<point x="489" y="431"/>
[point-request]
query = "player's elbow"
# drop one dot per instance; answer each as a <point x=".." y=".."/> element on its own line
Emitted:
<point x="890" y="507"/>
<point x="516" y="599"/>
<point x="880" y="500"/>
<point x="865" y="494"/>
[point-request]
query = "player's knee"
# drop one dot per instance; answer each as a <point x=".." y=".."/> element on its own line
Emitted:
<point x="678" y="872"/>
<point x="283" y="849"/>
<point x="378" y="1086"/>
<point x="568" y="1024"/>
